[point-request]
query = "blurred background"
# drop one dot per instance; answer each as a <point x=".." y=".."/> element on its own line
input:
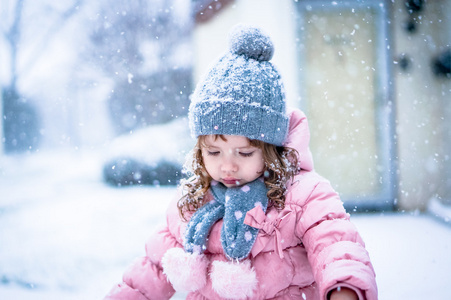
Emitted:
<point x="94" y="98"/>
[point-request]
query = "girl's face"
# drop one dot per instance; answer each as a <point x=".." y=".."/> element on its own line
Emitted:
<point x="233" y="162"/>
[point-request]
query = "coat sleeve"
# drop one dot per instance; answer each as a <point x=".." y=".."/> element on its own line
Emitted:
<point x="336" y="251"/>
<point x="144" y="279"/>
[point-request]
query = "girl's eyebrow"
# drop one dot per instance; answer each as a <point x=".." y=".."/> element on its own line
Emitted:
<point x="209" y="146"/>
<point x="247" y="147"/>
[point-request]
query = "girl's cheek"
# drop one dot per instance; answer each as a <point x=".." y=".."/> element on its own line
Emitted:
<point x="209" y="163"/>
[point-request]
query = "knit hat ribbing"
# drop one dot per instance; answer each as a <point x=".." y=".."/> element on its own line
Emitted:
<point x="242" y="94"/>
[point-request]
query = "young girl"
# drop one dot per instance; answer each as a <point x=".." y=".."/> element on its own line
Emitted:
<point x="255" y="221"/>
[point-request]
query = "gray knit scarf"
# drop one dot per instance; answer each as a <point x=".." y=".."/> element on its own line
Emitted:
<point x="230" y="204"/>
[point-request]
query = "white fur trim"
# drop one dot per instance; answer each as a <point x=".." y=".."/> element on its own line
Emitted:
<point x="187" y="272"/>
<point x="233" y="280"/>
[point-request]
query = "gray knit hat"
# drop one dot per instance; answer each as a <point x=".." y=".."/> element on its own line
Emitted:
<point x="242" y="94"/>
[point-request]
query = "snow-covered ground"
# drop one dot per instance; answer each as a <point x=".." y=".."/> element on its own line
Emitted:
<point x="64" y="234"/>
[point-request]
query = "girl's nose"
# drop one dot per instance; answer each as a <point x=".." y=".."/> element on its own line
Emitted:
<point x="229" y="165"/>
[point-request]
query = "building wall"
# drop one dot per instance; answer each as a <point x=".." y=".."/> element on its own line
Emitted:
<point x="422" y="105"/>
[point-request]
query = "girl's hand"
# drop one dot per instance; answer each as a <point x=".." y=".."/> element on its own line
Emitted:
<point x="343" y="294"/>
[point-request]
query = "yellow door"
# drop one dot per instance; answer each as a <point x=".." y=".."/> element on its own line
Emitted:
<point x="344" y="78"/>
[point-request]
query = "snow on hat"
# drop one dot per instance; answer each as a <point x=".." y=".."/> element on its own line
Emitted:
<point x="242" y="94"/>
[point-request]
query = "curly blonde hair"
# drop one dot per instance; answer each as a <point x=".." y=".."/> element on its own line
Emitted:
<point x="281" y="164"/>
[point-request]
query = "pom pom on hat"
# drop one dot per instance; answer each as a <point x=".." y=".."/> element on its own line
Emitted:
<point x="251" y="42"/>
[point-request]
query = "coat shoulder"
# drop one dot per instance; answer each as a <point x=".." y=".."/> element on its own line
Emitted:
<point x="305" y="186"/>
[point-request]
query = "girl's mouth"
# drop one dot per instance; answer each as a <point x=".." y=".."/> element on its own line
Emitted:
<point x="230" y="181"/>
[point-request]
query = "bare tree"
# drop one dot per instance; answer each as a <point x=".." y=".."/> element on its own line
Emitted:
<point x="20" y="119"/>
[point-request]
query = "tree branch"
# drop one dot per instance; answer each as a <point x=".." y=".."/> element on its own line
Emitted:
<point x="57" y="26"/>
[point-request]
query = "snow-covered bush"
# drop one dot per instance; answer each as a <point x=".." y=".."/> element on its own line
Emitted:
<point x="129" y="171"/>
<point x="154" y="155"/>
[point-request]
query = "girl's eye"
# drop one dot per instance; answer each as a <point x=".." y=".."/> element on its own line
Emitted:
<point x="213" y="153"/>
<point x="246" y="154"/>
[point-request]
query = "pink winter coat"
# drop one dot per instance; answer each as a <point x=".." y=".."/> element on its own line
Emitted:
<point x="301" y="252"/>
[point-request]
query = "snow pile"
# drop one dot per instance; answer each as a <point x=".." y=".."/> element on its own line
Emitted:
<point x="64" y="231"/>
